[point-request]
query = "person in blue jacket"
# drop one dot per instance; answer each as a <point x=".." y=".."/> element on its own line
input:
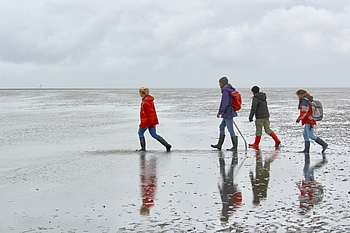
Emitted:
<point x="227" y="114"/>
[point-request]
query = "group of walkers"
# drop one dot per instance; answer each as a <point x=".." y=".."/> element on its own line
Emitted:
<point x="259" y="109"/>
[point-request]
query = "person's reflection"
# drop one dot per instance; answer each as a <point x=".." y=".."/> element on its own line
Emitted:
<point x="311" y="192"/>
<point x="148" y="183"/>
<point x="262" y="176"/>
<point x="231" y="197"/>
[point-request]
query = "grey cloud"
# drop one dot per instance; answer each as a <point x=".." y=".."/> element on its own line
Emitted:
<point x="183" y="43"/>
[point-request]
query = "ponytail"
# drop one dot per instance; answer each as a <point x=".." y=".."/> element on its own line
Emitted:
<point x="144" y="90"/>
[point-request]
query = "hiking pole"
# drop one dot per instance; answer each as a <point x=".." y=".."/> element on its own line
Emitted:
<point x="245" y="142"/>
<point x="239" y="167"/>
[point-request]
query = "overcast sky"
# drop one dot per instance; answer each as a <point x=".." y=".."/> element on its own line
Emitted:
<point x="182" y="43"/>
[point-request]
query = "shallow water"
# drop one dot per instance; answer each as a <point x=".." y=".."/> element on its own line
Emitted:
<point x="69" y="164"/>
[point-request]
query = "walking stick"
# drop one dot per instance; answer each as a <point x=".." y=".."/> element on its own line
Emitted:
<point x="239" y="167"/>
<point x="245" y="142"/>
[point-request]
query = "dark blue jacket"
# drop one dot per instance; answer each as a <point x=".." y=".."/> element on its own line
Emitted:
<point x="225" y="110"/>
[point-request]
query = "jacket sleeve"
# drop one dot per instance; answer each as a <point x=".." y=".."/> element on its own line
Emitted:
<point x="253" y="108"/>
<point x="304" y="109"/>
<point x="151" y="114"/>
<point x="225" y="102"/>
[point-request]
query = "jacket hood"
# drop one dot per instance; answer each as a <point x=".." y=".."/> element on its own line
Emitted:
<point x="148" y="98"/>
<point x="228" y="88"/>
<point x="310" y="98"/>
<point x="261" y="96"/>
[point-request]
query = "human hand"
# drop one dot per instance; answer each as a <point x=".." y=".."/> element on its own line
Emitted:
<point x="218" y="115"/>
<point x="297" y="121"/>
<point x="250" y="120"/>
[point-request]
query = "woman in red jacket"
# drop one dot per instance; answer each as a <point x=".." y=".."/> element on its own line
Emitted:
<point x="149" y="120"/>
<point x="305" y="110"/>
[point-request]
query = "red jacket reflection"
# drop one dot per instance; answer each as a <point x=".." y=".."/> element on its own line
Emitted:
<point x="148" y="114"/>
<point x="148" y="185"/>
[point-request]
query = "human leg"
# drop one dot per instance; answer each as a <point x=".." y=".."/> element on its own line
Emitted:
<point x="222" y="127"/>
<point x="153" y="132"/>
<point x="266" y="124"/>
<point x="318" y="140"/>
<point x="141" y="133"/>
<point x="164" y="143"/>
<point x="221" y="136"/>
<point x="234" y="138"/>
<point x="229" y="124"/>
<point x="220" y="142"/>
<point x="258" y="133"/>
<point x="306" y="138"/>
<point x="311" y="132"/>
<point x="268" y="130"/>
<point x="322" y="143"/>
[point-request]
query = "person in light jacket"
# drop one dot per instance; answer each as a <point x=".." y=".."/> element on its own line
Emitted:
<point x="305" y="112"/>
<point x="149" y="120"/>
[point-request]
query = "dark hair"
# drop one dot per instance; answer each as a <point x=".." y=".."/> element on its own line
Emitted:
<point x="255" y="89"/>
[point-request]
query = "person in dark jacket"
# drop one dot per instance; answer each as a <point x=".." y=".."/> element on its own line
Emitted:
<point x="227" y="114"/>
<point x="260" y="110"/>
<point x="305" y="110"/>
<point x="149" y="120"/>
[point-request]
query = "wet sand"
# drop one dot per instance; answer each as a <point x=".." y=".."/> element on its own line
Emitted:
<point x="69" y="165"/>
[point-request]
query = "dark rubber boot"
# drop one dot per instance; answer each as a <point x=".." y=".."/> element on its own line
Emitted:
<point x="164" y="143"/>
<point x="234" y="140"/>
<point x="220" y="142"/>
<point x="143" y="144"/>
<point x="307" y="147"/>
<point x="322" y="143"/>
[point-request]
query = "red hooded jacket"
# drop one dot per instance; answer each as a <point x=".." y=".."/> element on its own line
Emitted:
<point x="148" y="114"/>
<point x="305" y="110"/>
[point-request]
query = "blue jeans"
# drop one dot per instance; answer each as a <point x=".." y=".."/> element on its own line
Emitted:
<point x="229" y="124"/>
<point x="309" y="172"/>
<point x="309" y="133"/>
<point x="152" y="131"/>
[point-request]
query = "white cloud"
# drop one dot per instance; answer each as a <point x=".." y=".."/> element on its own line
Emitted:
<point x="74" y="43"/>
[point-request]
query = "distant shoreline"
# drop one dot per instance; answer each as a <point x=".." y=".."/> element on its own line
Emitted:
<point x="155" y="88"/>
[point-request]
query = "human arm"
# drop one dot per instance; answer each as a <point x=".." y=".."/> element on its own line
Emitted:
<point x="303" y="109"/>
<point x="253" y="109"/>
<point x="225" y="102"/>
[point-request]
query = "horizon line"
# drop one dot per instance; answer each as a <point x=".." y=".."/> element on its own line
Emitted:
<point x="116" y="88"/>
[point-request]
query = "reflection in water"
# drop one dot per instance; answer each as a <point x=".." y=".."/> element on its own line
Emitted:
<point x="231" y="197"/>
<point x="148" y="182"/>
<point x="311" y="192"/>
<point x="262" y="176"/>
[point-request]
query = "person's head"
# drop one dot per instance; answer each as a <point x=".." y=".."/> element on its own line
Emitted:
<point x="302" y="93"/>
<point x="143" y="91"/>
<point x="223" y="81"/>
<point x="255" y="89"/>
<point x="144" y="210"/>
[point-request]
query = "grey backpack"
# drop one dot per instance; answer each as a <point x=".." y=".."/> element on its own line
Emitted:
<point x="317" y="110"/>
